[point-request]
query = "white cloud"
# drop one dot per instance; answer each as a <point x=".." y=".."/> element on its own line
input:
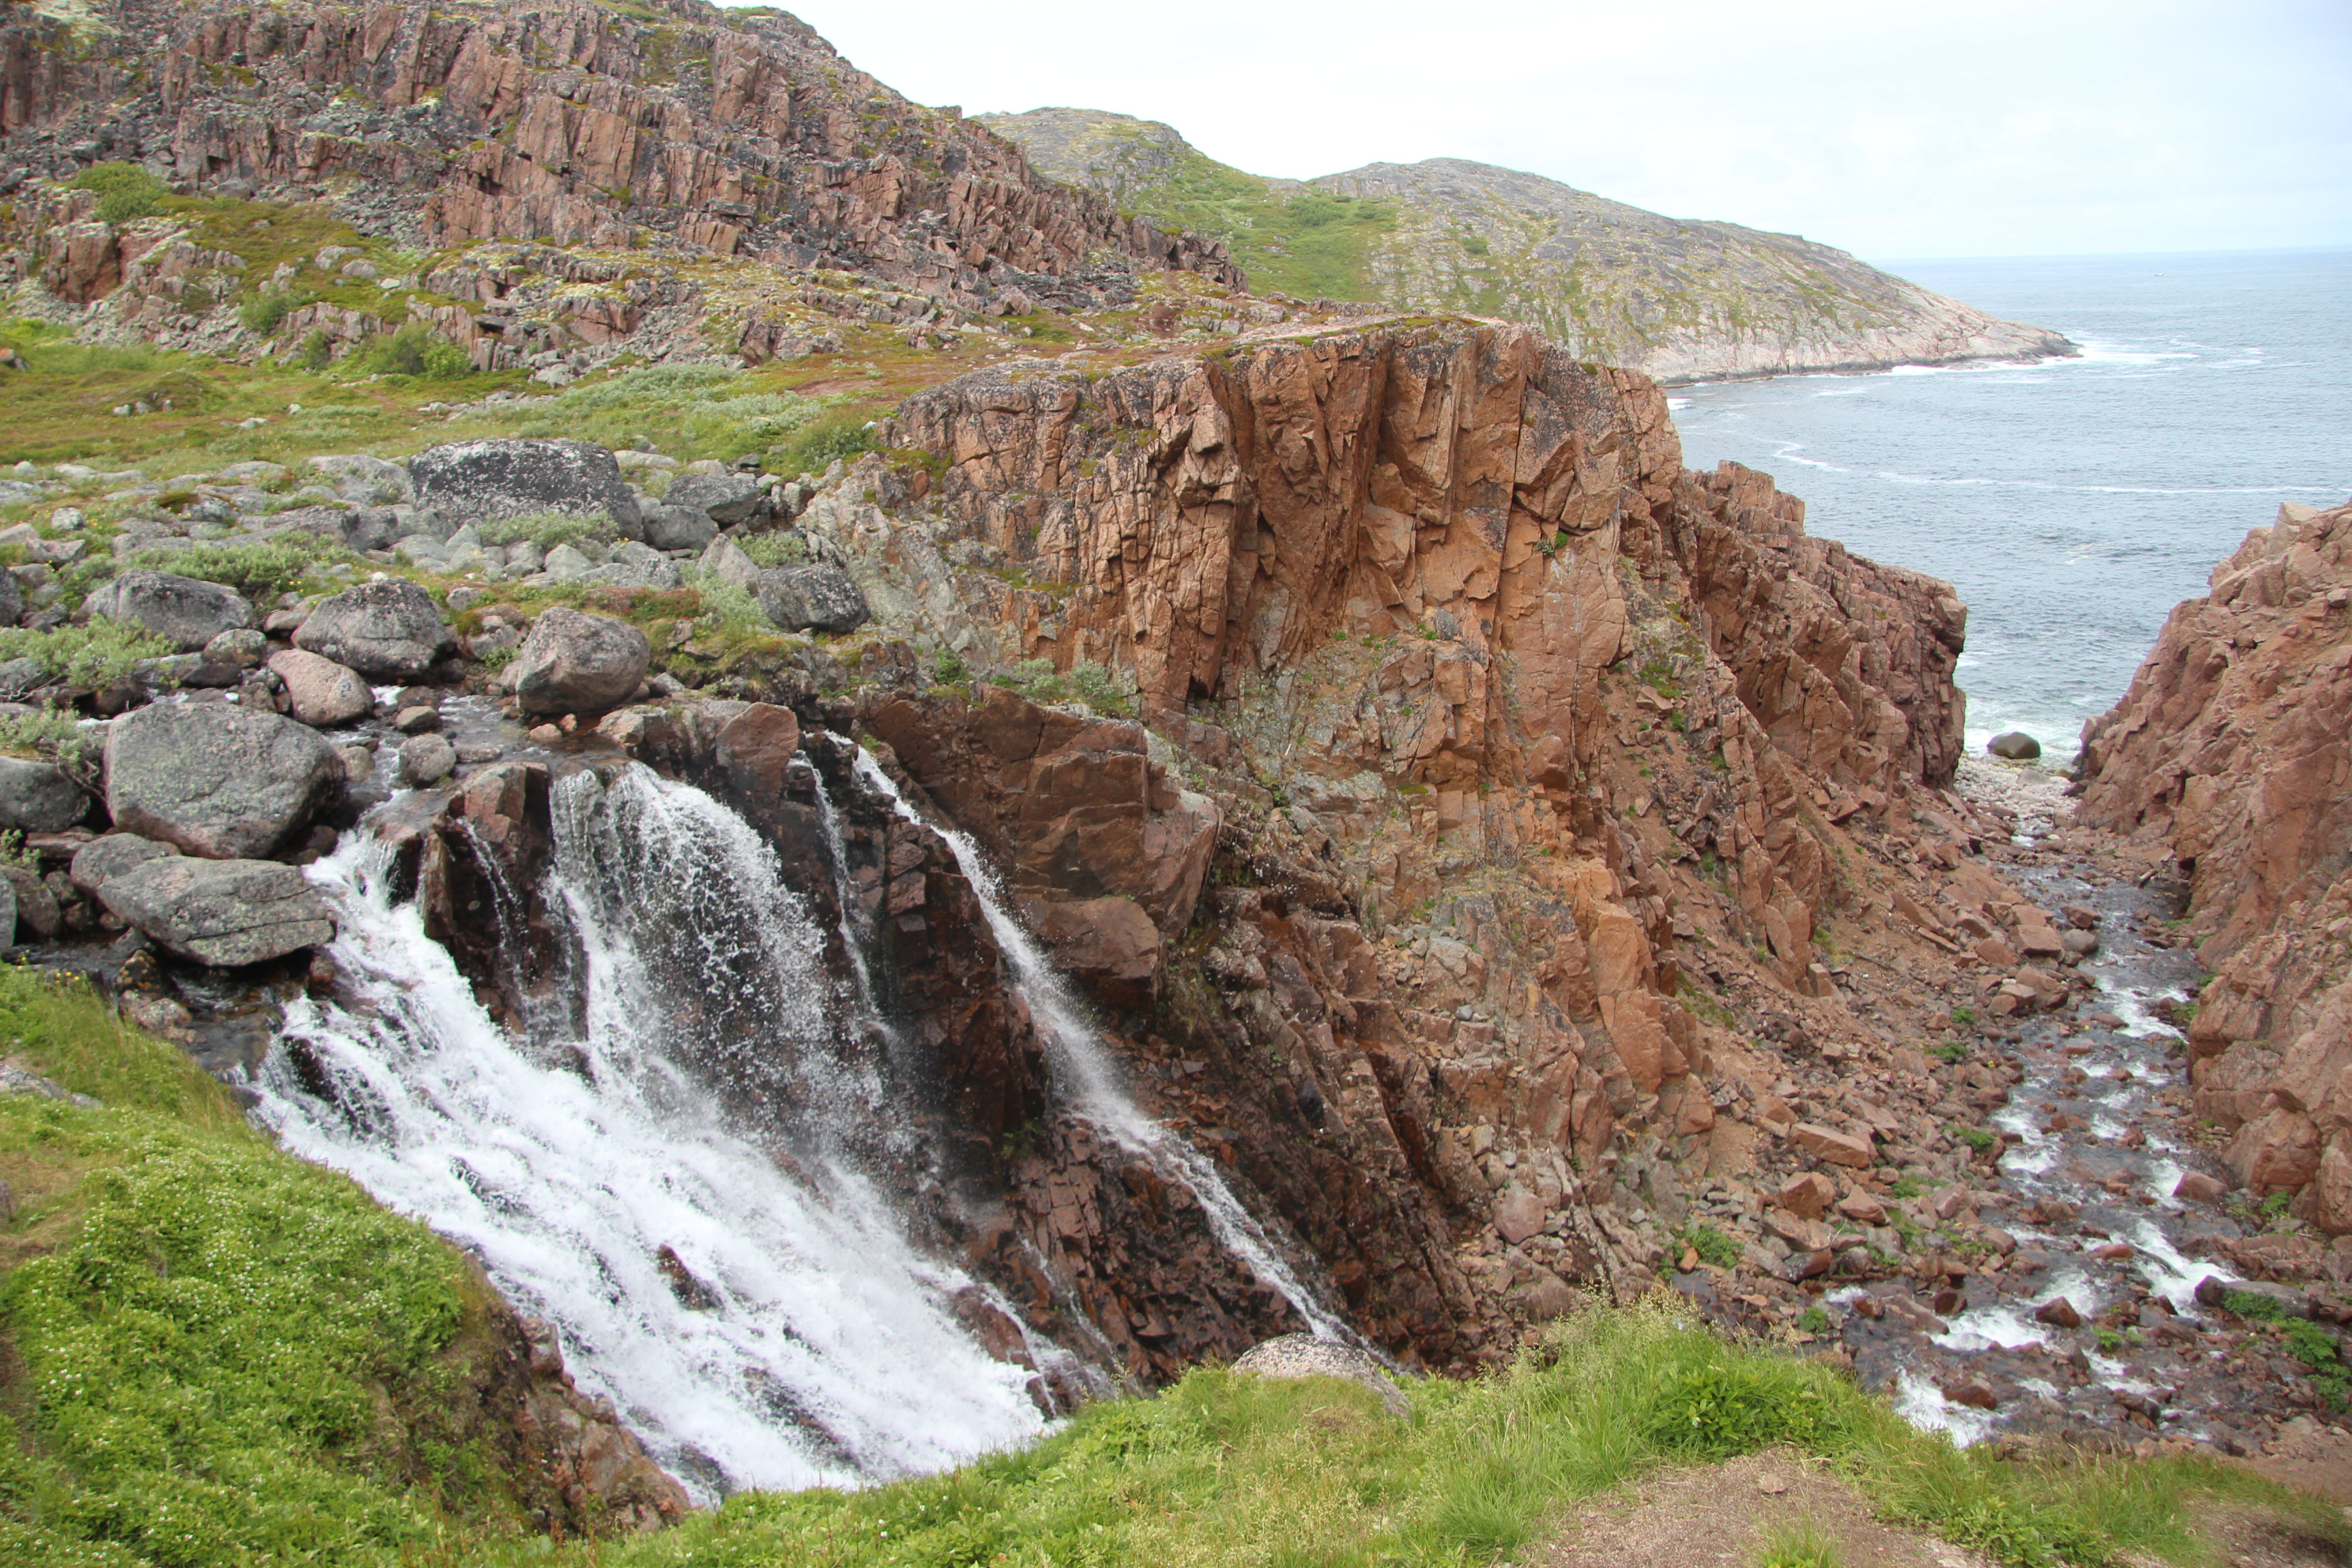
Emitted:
<point x="1999" y="127"/>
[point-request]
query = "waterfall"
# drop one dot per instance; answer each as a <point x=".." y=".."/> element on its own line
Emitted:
<point x="1088" y="1080"/>
<point x="722" y="1270"/>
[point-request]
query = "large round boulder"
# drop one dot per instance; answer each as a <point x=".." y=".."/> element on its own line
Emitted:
<point x="574" y="662"/>
<point x="222" y="913"/>
<point x="2015" y="746"/>
<point x="216" y="779"/>
<point x="182" y="611"/>
<point x="468" y="482"/>
<point x="35" y="797"/>
<point x="319" y="691"/>
<point x="813" y="598"/>
<point x="386" y="631"/>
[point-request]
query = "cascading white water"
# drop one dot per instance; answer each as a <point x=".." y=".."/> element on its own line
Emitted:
<point x="827" y="1351"/>
<point x="1089" y="1081"/>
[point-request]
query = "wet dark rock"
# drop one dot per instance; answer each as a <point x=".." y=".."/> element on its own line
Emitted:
<point x="182" y="611"/>
<point x="217" y="780"/>
<point x="2015" y="746"/>
<point x="221" y="912"/>
<point x="35" y="797"/>
<point x="2059" y="1314"/>
<point x="1108" y="945"/>
<point x="386" y="631"/>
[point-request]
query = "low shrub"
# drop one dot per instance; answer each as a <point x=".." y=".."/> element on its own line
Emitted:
<point x="126" y="192"/>
<point x="416" y="349"/>
<point x="88" y="658"/>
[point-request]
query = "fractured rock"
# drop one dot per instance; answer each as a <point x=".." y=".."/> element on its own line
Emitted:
<point x="1836" y="1147"/>
<point x="111" y="854"/>
<point x="1108" y="945"/>
<point x="222" y="913"/>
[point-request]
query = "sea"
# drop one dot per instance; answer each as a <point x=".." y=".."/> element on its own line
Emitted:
<point x="2072" y="502"/>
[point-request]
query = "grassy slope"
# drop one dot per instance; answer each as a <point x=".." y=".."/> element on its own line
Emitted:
<point x="210" y="1352"/>
<point x="1310" y="246"/>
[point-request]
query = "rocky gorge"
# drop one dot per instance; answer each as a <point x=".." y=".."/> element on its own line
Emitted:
<point x="903" y="823"/>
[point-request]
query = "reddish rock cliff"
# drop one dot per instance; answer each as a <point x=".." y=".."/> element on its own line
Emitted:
<point x="2234" y="747"/>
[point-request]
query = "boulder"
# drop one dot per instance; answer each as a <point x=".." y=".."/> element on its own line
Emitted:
<point x="182" y="611"/>
<point x="470" y="480"/>
<point x="1110" y="946"/>
<point x="319" y="691"/>
<point x="755" y="749"/>
<point x="813" y="598"/>
<point x="216" y="779"/>
<point x="35" y="797"/>
<point x="1518" y="1214"/>
<point x="7" y="913"/>
<point x="635" y="565"/>
<point x="36" y="907"/>
<point x="1304" y="1355"/>
<point x="428" y="760"/>
<point x="574" y="662"/>
<point x="221" y="912"/>
<point x="726" y="560"/>
<point x="2197" y="1188"/>
<point x="243" y="648"/>
<point x="2059" y="1314"/>
<point x="2014" y="744"/>
<point x="678" y="528"/>
<point x="111" y="856"/>
<point x="1837" y="1147"/>
<point x="1808" y="1197"/>
<point x="725" y="499"/>
<point x="387" y="631"/>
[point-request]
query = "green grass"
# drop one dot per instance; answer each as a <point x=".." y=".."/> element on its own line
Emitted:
<point x="1800" y="1545"/>
<point x="1312" y="244"/>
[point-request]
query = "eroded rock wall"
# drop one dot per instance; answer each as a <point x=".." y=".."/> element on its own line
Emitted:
<point x="722" y="133"/>
<point x="2234" y="747"/>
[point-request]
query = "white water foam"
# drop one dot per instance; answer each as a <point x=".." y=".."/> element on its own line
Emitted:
<point x="828" y="1353"/>
<point x="1088" y="1080"/>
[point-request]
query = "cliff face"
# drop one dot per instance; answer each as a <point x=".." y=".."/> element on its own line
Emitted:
<point x="719" y="132"/>
<point x="2232" y="748"/>
<point x="1539" y="762"/>
<point x="1676" y="300"/>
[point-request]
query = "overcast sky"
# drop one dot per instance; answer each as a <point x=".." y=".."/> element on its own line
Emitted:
<point x="1892" y="129"/>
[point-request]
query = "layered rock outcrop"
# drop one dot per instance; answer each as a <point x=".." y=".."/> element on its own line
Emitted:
<point x="722" y="132"/>
<point x="2233" y="749"/>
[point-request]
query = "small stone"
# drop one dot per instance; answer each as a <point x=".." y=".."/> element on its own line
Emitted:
<point x="1518" y="1214"/>
<point x="2197" y="1188"/>
<point x="416" y="721"/>
<point x="2059" y="1314"/>
<point x="1807" y="1197"/>
<point x="1975" y="1395"/>
<point x="545" y="734"/>
<point x="428" y="760"/>
<point x="241" y="647"/>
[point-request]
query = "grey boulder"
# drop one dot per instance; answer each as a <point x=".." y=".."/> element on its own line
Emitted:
<point x="11" y="599"/>
<point x="813" y="598"/>
<point x="2014" y="744"/>
<point x="182" y="611"/>
<point x="35" y="797"/>
<point x="116" y="853"/>
<point x="216" y="779"/>
<point x="428" y="760"/>
<point x="678" y="528"/>
<point x="387" y="631"/>
<point x="319" y="691"/>
<point x="574" y="662"/>
<point x="221" y="912"/>
<point x="727" y="562"/>
<point x="471" y="480"/>
<point x="725" y="499"/>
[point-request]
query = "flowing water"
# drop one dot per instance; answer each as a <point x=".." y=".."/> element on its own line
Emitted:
<point x="1088" y="1080"/>
<point x="824" y="1349"/>
<point x="685" y="1191"/>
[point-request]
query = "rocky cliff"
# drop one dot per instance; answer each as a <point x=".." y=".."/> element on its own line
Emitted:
<point x="696" y="131"/>
<point x="1679" y="301"/>
<point x="2230" y="751"/>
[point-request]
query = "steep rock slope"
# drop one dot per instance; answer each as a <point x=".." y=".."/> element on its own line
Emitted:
<point x="713" y="131"/>
<point x="1541" y="764"/>
<point x="1679" y="301"/>
<point x="2234" y="747"/>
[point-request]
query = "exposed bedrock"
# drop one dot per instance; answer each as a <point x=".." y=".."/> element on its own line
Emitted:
<point x="2233" y="748"/>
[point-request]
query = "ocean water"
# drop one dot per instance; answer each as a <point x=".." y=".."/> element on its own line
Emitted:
<point x="2073" y="502"/>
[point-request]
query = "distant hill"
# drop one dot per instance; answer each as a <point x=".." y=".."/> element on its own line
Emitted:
<point x="1684" y="301"/>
